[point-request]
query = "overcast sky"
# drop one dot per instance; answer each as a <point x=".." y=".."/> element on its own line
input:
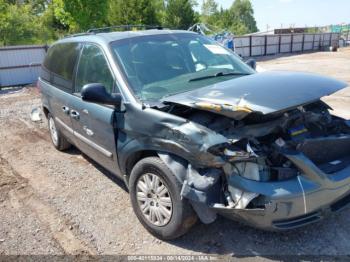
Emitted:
<point x="297" y="12"/>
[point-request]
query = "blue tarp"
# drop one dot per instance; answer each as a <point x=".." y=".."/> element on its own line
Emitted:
<point x="226" y="39"/>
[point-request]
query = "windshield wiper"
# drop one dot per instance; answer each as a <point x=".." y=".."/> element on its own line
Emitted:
<point x="217" y="75"/>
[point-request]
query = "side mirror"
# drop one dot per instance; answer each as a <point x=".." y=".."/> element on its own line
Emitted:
<point x="97" y="93"/>
<point x="251" y="62"/>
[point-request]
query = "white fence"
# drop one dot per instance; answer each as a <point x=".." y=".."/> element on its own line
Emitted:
<point x="20" y="65"/>
<point x="261" y="45"/>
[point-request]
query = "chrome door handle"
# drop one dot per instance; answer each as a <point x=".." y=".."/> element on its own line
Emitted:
<point x="74" y="114"/>
<point x="65" y="109"/>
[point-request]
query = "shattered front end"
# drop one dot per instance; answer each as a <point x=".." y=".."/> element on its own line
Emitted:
<point x="279" y="171"/>
<point x="301" y="191"/>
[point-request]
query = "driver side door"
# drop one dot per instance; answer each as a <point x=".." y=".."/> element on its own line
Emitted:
<point x="94" y="124"/>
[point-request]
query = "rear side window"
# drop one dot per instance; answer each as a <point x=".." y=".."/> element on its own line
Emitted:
<point x="60" y="61"/>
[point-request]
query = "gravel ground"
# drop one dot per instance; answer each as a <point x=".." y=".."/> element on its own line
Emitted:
<point x="64" y="203"/>
<point x="335" y="64"/>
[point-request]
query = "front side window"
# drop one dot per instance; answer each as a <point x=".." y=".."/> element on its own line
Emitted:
<point x="161" y="65"/>
<point x="93" y="68"/>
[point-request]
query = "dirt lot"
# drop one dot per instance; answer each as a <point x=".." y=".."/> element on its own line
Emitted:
<point x="325" y="63"/>
<point x="63" y="203"/>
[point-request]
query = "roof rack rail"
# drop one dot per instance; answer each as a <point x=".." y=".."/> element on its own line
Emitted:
<point x="125" y="27"/>
<point x="78" y="34"/>
<point x="110" y="28"/>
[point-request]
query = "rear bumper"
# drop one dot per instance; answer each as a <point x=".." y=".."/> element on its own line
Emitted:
<point x="293" y="203"/>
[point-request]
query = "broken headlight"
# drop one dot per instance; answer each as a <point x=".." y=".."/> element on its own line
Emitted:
<point x="232" y="152"/>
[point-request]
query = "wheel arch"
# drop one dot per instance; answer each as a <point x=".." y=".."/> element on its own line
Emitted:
<point x="46" y="111"/>
<point x="141" y="154"/>
<point x="136" y="157"/>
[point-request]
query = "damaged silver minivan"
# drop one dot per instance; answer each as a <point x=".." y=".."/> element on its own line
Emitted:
<point x="195" y="132"/>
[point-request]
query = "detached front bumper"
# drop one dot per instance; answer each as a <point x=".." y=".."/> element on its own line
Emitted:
<point x="296" y="202"/>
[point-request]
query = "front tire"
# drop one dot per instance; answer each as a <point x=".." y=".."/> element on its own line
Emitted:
<point x="57" y="139"/>
<point x="156" y="200"/>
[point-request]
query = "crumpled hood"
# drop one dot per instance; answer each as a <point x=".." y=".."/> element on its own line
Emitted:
<point x="265" y="92"/>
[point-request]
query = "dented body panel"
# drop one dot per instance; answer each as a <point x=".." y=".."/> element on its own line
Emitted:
<point x="150" y="129"/>
<point x="183" y="145"/>
<point x="296" y="202"/>
<point x="266" y="92"/>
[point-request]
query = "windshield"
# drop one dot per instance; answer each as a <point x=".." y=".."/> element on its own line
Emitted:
<point x="162" y="65"/>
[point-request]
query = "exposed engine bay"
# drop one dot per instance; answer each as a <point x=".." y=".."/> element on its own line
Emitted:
<point x="259" y="147"/>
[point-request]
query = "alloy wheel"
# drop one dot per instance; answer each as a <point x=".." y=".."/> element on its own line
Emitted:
<point x="154" y="199"/>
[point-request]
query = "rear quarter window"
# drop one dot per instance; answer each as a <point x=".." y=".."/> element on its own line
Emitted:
<point x="60" y="62"/>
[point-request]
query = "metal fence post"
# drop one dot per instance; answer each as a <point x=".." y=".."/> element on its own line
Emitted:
<point x="291" y="43"/>
<point x="265" y="47"/>
<point x="279" y="44"/>
<point x="250" y="46"/>
<point x="322" y="41"/>
<point x="303" y="43"/>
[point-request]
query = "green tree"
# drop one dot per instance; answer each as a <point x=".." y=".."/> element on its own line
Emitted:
<point x="209" y="8"/>
<point x="239" y="18"/>
<point x="179" y="14"/>
<point x="129" y="12"/>
<point x="242" y="15"/>
<point x="160" y="11"/>
<point x="80" y="15"/>
<point x="53" y="28"/>
<point x="38" y="6"/>
<point x="210" y="13"/>
<point x="18" y="29"/>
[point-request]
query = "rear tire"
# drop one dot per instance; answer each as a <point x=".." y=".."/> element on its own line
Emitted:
<point x="57" y="139"/>
<point x="156" y="200"/>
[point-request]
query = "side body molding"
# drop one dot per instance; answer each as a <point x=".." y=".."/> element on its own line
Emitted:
<point x="84" y="139"/>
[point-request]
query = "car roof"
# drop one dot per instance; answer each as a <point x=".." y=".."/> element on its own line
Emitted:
<point x="106" y="38"/>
